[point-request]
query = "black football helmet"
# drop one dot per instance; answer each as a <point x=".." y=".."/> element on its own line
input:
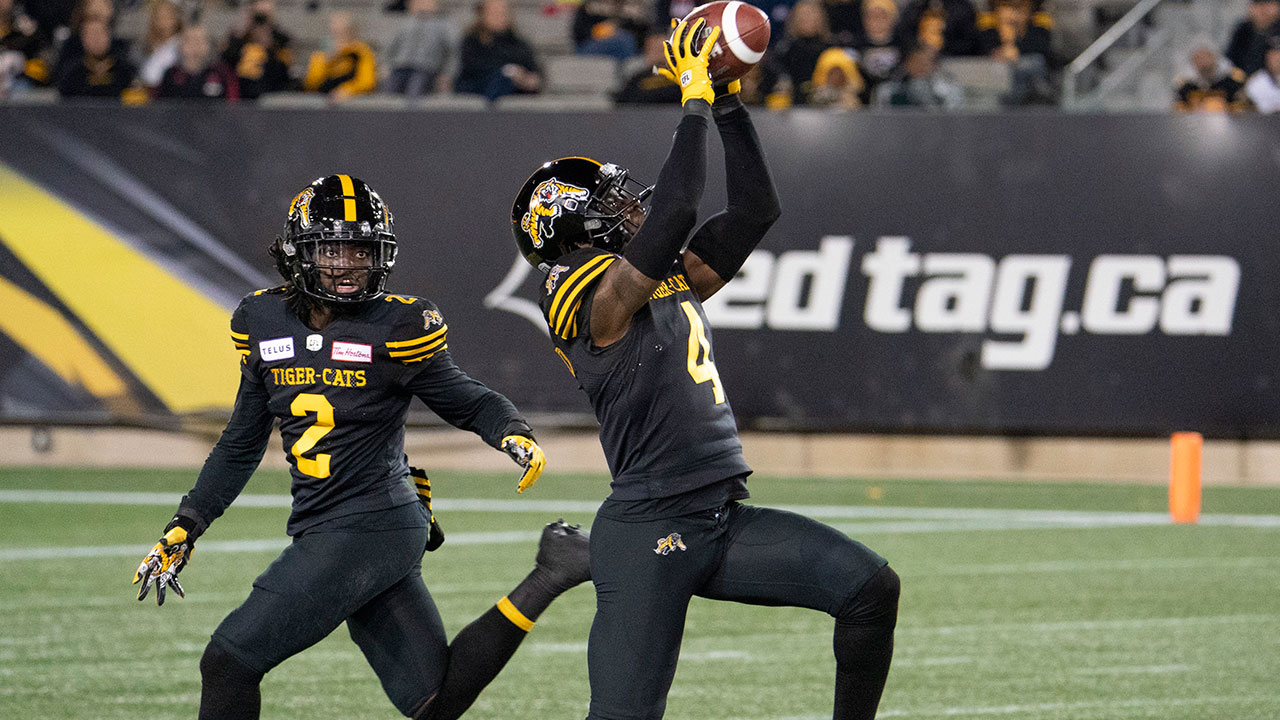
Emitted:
<point x="340" y="231"/>
<point x="576" y="201"/>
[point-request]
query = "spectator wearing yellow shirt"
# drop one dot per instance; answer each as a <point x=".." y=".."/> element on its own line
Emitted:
<point x="349" y="69"/>
<point x="258" y="50"/>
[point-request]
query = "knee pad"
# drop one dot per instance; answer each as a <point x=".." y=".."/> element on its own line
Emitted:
<point x="875" y="603"/>
<point x="219" y="667"/>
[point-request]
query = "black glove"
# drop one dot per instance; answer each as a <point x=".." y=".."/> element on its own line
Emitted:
<point x="435" y="536"/>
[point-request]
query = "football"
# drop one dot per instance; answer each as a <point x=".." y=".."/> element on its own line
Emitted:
<point x="744" y="36"/>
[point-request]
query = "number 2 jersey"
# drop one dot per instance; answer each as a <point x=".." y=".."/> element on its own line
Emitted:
<point x="665" y="422"/>
<point x="341" y="396"/>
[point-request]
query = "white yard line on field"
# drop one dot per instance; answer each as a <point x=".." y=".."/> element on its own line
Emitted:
<point x="1036" y="710"/>
<point x="1135" y="670"/>
<point x="238" y="546"/>
<point x="969" y="518"/>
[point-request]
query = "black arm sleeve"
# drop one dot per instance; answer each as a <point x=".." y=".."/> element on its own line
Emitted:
<point x="726" y="239"/>
<point x="467" y="403"/>
<point x="674" y="207"/>
<point x="233" y="459"/>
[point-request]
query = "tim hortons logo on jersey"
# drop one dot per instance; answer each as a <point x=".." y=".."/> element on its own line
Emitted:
<point x="431" y="317"/>
<point x="549" y="199"/>
<point x="276" y="349"/>
<point x="669" y="544"/>
<point x="352" y="352"/>
<point x="553" y="277"/>
<point x="1021" y="298"/>
<point x="302" y="204"/>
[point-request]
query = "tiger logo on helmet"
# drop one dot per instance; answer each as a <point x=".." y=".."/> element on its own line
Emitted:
<point x="548" y="201"/>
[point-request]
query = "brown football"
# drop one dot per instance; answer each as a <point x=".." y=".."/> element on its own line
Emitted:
<point x="744" y="36"/>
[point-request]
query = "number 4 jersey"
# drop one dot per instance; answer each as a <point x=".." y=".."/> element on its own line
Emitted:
<point x="341" y="396"/>
<point x="665" y="423"/>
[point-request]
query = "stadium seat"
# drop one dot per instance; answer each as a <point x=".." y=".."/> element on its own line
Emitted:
<point x="294" y="101"/>
<point x="449" y="102"/>
<point x="580" y="74"/>
<point x="984" y="80"/>
<point x="554" y="103"/>
<point x="548" y="34"/>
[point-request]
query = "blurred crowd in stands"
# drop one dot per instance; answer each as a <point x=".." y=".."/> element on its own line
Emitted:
<point x="1245" y="76"/>
<point x="842" y="54"/>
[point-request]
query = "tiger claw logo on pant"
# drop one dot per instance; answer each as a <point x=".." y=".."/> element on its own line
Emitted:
<point x="550" y="198"/>
<point x="669" y="544"/>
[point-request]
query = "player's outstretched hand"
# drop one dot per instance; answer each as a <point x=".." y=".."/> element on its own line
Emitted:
<point x="161" y="566"/>
<point x="525" y="451"/>
<point x="686" y="65"/>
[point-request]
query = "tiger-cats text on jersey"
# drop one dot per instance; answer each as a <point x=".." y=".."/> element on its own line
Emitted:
<point x="341" y="396"/>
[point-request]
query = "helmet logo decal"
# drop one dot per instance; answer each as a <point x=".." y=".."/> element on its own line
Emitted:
<point x="554" y="276"/>
<point x="302" y="205"/>
<point x="549" y="199"/>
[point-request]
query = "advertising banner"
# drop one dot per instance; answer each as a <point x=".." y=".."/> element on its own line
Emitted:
<point x="1017" y="273"/>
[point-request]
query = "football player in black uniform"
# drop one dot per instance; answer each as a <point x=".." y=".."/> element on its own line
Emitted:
<point x="624" y="306"/>
<point x="337" y="361"/>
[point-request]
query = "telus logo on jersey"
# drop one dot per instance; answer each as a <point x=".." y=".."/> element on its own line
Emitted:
<point x="351" y="352"/>
<point x="276" y="349"/>
<point x="1018" y="295"/>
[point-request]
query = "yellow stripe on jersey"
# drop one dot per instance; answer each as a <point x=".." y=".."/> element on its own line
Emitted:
<point x="428" y="356"/>
<point x="418" y="340"/>
<point x="430" y="347"/>
<point x="564" y="305"/>
<point x="348" y="197"/>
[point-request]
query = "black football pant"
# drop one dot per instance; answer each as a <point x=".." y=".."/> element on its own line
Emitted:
<point x="362" y="569"/>
<point x="645" y="577"/>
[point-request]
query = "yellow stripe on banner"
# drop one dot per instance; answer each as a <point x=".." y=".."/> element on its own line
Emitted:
<point x="348" y="197"/>
<point x="419" y="340"/>
<point x="168" y="334"/>
<point x="44" y="333"/>
<point x="512" y="613"/>
<point x="414" y="351"/>
<point x="572" y="303"/>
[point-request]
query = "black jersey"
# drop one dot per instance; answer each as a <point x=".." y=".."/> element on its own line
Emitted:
<point x="665" y="422"/>
<point x="341" y="396"/>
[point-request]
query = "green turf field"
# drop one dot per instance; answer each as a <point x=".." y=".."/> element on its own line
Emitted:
<point x="1026" y="601"/>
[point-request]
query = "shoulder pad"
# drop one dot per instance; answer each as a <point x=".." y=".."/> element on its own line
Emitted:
<point x="566" y="284"/>
<point x="240" y="327"/>
<point x="418" y="330"/>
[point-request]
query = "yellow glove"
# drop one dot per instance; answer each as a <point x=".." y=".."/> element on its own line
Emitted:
<point x="733" y="88"/>
<point x="525" y="451"/>
<point x="161" y="566"/>
<point x="688" y="67"/>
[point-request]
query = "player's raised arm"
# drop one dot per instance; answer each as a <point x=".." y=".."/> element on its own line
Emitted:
<point x="721" y="245"/>
<point x="627" y="285"/>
